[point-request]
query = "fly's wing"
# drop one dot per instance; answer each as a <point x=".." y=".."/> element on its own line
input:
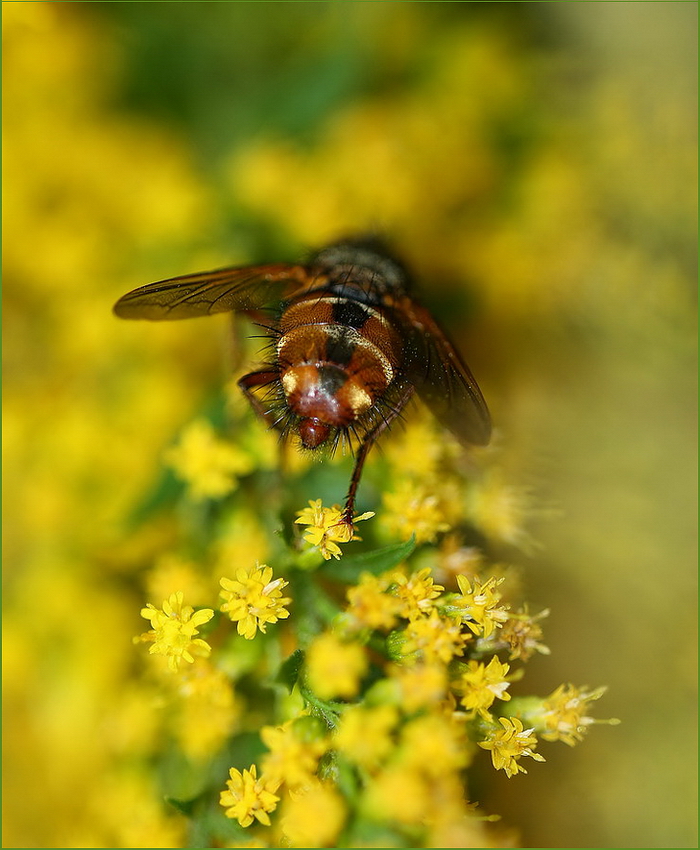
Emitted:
<point x="219" y="291"/>
<point x="442" y="380"/>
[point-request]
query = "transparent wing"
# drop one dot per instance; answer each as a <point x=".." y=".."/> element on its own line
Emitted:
<point x="219" y="291"/>
<point x="441" y="378"/>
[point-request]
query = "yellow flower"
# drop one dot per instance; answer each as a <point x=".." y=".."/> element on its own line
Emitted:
<point x="208" y="712"/>
<point x="247" y="798"/>
<point x="371" y="605"/>
<point x="455" y="559"/>
<point x="501" y="510"/>
<point x="434" y="745"/>
<point x="416" y="592"/>
<point x="420" y="685"/>
<point x="313" y="817"/>
<point x="208" y="465"/>
<point x="481" y="684"/>
<point x="482" y="613"/>
<point x="241" y="538"/>
<point x="171" y="573"/>
<point x="365" y="734"/>
<point x="327" y="528"/>
<point x="334" y="668"/>
<point x="291" y="759"/>
<point x="564" y="716"/>
<point x="398" y="794"/>
<point x="456" y="827"/>
<point x="411" y="509"/>
<point x="418" y="793"/>
<point x="253" y="599"/>
<point x="509" y="744"/>
<point x="417" y="451"/>
<point x="521" y="633"/>
<point x="174" y="628"/>
<point x="434" y="639"/>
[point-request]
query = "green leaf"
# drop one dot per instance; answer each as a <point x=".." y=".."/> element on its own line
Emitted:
<point x="289" y="670"/>
<point x="209" y="826"/>
<point x="185" y="807"/>
<point x="182" y="780"/>
<point x="328" y="710"/>
<point x="379" y="561"/>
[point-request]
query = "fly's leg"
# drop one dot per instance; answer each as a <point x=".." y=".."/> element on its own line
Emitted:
<point x="265" y="377"/>
<point x="248" y="382"/>
<point x="367" y="443"/>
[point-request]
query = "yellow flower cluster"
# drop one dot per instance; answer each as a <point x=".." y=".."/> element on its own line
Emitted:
<point x="411" y="769"/>
<point x="500" y="509"/>
<point x="370" y="606"/>
<point x="416" y="593"/>
<point x="396" y="695"/>
<point x="389" y="702"/>
<point x="174" y="628"/>
<point x="409" y="737"/>
<point x="248" y="798"/>
<point x="327" y="528"/>
<point x="209" y="466"/>
<point x="253" y="599"/>
<point x="427" y="494"/>
<point x="294" y="750"/>
<point x="509" y="744"/>
<point x="392" y="697"/>
<point x="206" y="710"/>
<point x="335" y="667"/>
<point x="481" y="611"/>
<point x="563" y="717"/>
<point x="480" y="684"/>
<point x="313" y="810"/>
<point x="434" y="639"/>
<point x="414" y="509"/>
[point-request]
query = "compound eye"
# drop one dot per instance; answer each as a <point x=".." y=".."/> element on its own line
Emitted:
<point x="313" y="433"/>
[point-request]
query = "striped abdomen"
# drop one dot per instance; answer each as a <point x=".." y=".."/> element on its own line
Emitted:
<point x="336" y="357"/>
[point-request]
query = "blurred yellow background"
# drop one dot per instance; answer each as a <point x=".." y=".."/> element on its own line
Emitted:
<point x="534" y="163"/>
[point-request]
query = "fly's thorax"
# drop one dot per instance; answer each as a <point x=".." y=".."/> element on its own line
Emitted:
<point x="365" y="260"/>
